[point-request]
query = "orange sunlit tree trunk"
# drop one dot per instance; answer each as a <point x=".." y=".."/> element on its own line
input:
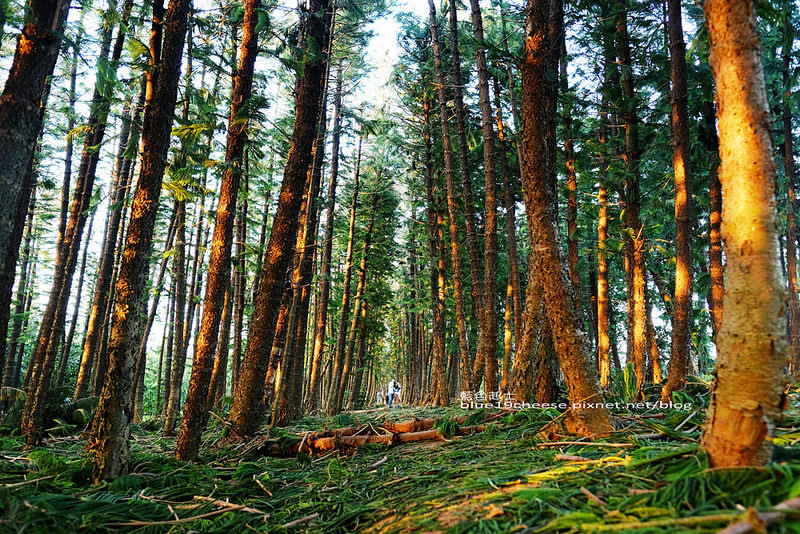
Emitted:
<point x="109" y="437"/>
<point x="248" y="408"/>
<point x="748" y="392"/>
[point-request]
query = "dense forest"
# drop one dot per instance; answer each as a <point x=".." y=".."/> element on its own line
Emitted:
<point x="345" y="265"/>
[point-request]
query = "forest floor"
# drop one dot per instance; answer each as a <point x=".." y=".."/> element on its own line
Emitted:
<point x="649" y="477"/>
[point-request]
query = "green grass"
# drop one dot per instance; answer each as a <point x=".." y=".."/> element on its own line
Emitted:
<point x="495" y="481"/>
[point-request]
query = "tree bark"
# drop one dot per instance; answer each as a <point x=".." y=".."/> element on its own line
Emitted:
<point x="748" y="393"/>
<point x="109" y="438"/>
<point x="788" y="165"/>
<point x="195" y="411"/>
<point x="487" y="342"/>
<point x="580" y="375"/>
<point x="341" y="333"/>
<point x="633" y="228"/>
<point x="452" y="208"/>
<point x="21" y="117"/>
<point x="681" y="166"/>
<point x="473" y="247"/>
<point x="248" y="409"/>
<point x="321" y="316"/>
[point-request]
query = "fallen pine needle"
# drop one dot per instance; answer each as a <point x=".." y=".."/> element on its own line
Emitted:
<point x="26" y="482"/>
<point x="592" y="497"/>
<point x="572" y="458"/>
<point x="300" y="521"/>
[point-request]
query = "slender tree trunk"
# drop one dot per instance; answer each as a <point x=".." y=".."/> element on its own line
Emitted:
<point x="172" y="397"/>
<point x="580" y="375"/>
<point x="634" y="238"/>
<point x="437" y="393"/>
<point x="510" y="186"/>
<point x="344" y="310"/>
<point x="23" y="288"/>
<point x="358" y="305"/>
<point x="572" y="176"/>
<point x="452" y="208"/>
<point x="248" y="410"/>
<point x="716" y="268"/>
<point x="109" y="438"/>
<point x="748" y="393"/>
<point x="129" y="140"/>
<point x="487" y="341"/>
<point x="321" y="316"/>
<point x="195" y="410"/>
<point x="52" y="325"/>
<point x="66" y="349"/>
<point x="473" y="246"/>
<point x="681" y="165"/>
<point x="788" y="165"/>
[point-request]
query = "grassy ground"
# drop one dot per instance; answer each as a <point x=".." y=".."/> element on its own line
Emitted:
<point x="501" y="480"/>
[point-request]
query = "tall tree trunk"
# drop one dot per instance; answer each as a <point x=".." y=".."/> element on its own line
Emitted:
<point x="681" y="166"/>
<point x="344" y="310"/>
<point x="109" y="438"/>
<point x="172" y="396"/>
<point x="52" y="324"/>
<point x="358" y="304"/>
<point x="753" y="349"/>
<point x="195" y="411"/>
<point x="634" y="238"/>
<point x="716" y="268"/>
<point x="510" y="186"/>
<point x="21" y="117"/>
<point x="321" y="316"/>
<point x="788" y="165"/>
<point x="580" y="375"/>
<point x="248" y="409"/>
<point x="129" y="137"/>
<point x="473" y="247"/>
<point x="23" y="288"/>
<point x="437" y="393"/>
<point x="66" y="349"/>
<point x="572" y="176"/>
<point x="487" y="342"/>
<point x="452" y="208"/>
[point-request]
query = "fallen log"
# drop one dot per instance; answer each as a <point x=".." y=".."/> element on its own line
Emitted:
<point x="324" y="444"/>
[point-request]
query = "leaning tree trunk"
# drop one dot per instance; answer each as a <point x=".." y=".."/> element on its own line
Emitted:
<point x="21" y="120"/>
<point x="580" y="375"/>
<point x="195" y="411"/>
<point x="681" y="156"/>
<point x="52" y="325"/>
<point x="109" y="438"/>
<point x="248" y="409"/>
<point x="753" y="349"/>
<point x="129" y="137"/>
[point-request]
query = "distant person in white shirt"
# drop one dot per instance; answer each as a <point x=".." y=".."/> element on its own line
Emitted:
<point x="380" y="397"/>
<point x="392" y="392"/>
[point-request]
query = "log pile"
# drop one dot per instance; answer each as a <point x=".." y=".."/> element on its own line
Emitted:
<point x="349" y="438"/>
